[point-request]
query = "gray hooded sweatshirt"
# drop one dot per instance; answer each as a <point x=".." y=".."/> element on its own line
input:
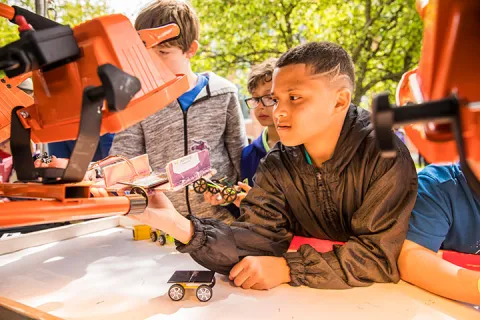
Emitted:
<point x="214" y="120"/>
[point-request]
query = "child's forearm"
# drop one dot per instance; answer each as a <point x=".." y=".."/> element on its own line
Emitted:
<point x="170" y="222"/>
<point x="425" y="269"/>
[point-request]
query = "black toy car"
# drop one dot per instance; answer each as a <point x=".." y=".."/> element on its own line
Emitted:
<point x="202" y="281"/>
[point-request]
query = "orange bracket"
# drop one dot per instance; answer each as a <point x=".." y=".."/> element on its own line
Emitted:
<point x="155" y="36"/>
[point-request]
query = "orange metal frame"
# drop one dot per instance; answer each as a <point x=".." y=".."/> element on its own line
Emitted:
<point x="11" y="96"/>
<point x="54" y="114"/>
<point x="448" y="65"/>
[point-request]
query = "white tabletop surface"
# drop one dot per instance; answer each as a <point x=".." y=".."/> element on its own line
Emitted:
<point x="107" y="275"/>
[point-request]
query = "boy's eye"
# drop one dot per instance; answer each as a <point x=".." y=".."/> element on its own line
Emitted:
<point x="293" y="98"/>
<point x="163" y="52"/>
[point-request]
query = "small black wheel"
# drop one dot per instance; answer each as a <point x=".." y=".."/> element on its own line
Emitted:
<point x="162" y="240"/>
<point x="154" y="236"/>
<point x="176" y="292"/>
<point x="213" y="189"/>
<point x="229" y="194"/>
<point x="213" y="283"/>
<point x="204" y="293"/>
<point x="200" y="186"/>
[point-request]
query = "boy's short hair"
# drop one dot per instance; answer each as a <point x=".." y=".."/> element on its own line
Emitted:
<point x="161" y="12"/>
<point x="260" y="74"/>
<point x="323" y="57"/>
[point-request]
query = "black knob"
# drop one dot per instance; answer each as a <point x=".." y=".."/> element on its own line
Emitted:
<point x="119" y="87"/>
<point x="383" y="121"/>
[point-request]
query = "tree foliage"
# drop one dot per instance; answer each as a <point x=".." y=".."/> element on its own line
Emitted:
<point x="70" y="12"/>
<point x="382" y="36"/>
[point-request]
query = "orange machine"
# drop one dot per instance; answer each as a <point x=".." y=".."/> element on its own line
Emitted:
<point x="55" y="115"/>
<point x="101" y="76"/>
<point x="442" y="95"/>
<point x="10" y="96"/>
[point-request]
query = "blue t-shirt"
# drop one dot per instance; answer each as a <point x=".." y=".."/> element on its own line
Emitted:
<point x="188" y="97"/>
<point x="447" y="213"/>
<point x="64" y="149"/>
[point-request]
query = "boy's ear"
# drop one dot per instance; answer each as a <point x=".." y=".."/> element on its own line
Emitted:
<point x="344" y="98"/>
<point x="193" y="49"/>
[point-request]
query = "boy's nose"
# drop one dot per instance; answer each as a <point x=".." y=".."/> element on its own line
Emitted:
<point x="279" y="111"/>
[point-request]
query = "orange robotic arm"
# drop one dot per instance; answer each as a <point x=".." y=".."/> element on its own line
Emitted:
<point x="442" y="95"/>
<point x="100" y="70"/>
<point x="96" y="78"/>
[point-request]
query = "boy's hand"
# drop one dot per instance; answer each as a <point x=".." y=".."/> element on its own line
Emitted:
<point x="55" y="163"/>
<point x="246" y="188"/>
<point x="260" y="273"/>
<point x="90" y="175"/>
<point x="162" y="215"/>
<point x="159" y="208"/>
<point x="216" y="199"/>
<point x="98" y="192"/>
<point x="213" y="199"/>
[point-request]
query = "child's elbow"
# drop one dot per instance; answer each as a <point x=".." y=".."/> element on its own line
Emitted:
<point x="406" y="261"/>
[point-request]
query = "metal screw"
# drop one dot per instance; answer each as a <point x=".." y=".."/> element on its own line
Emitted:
<point x="9" y="86"/>
<point x="3" y="80"/>
<point x="24" y="114"/>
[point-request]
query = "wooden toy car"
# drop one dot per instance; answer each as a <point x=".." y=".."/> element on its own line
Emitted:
<point x="202" y="281"/>
<point x="228" y="190"/>
<point x="141" y="232"/>
<point x="144" y="232"/>
<point x="157" y="235"/>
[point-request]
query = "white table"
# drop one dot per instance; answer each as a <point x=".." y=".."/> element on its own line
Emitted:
<point x="107" y="275"/>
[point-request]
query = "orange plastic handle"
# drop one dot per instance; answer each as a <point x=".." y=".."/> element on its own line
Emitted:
<point x="6" y="11"/>
<point x="155" y="36"/>
<point x="25" y="213"/>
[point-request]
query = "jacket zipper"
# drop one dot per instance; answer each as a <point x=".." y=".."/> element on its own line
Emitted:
<point x="185" y="151"/>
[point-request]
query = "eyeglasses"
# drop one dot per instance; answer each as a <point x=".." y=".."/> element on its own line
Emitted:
<point x="266" y="100"/>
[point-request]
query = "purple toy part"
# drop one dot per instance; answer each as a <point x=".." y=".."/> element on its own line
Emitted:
<point x="199" y="145"/>
<point x="189" y="169"/>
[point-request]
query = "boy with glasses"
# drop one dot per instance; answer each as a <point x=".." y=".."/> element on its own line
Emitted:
<point x="259" y="85"/>
<point x="261" y="102"/>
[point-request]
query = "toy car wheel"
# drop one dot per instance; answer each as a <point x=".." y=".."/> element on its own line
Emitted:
<point x="213" y="190"/>
<point x="162" y="240"/>
<point x="176" y="292"/>
<point x="154" y="236"/>
<point x="211" y="285"/>
<point x="204" y="293"/>
<point x="229" y="194"/>
<point x="200" y="186"/>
